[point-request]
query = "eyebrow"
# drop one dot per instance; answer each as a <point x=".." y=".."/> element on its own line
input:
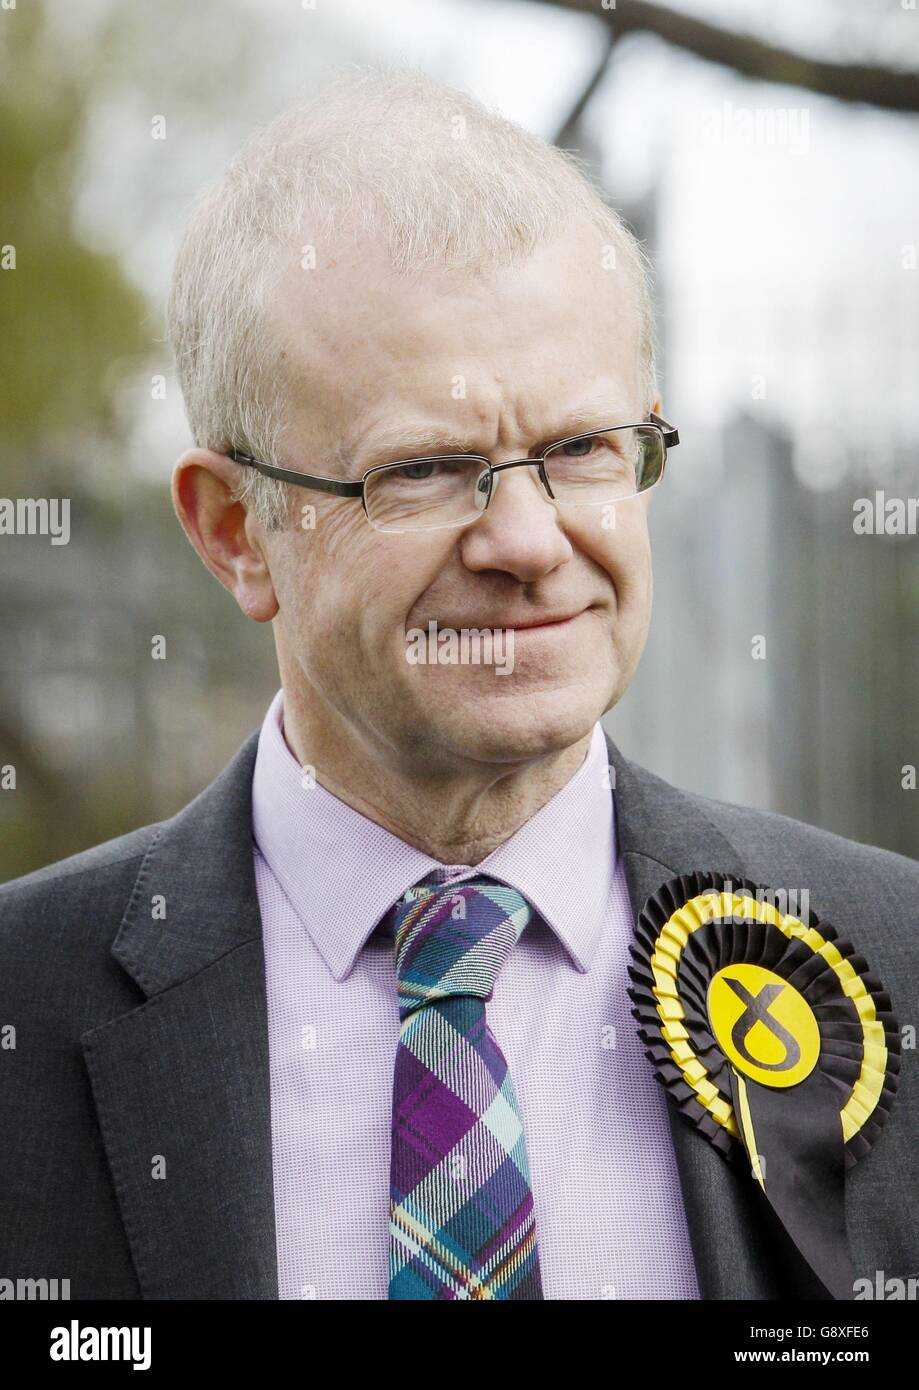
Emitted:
<point x="407" y="442"/>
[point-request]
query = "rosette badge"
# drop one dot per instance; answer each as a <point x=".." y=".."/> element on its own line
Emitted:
<point x="775" y="1039"/>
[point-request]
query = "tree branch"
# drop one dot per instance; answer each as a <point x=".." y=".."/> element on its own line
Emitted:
<point x="889" y="88"/>
<point x="567" y="132"/>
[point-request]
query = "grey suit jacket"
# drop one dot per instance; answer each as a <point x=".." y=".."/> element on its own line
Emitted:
<point x="140" y="1040"/>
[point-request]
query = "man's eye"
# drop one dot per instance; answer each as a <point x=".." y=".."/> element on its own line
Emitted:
<point x="416" y="470"/>
<point x="580" y="448"/>
<point x="431" y="470"/>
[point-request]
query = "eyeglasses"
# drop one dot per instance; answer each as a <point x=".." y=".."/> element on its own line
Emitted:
<point x="594" y="469"/>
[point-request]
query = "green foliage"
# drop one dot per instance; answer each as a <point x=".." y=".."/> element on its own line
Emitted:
<point x="69" y="320"/>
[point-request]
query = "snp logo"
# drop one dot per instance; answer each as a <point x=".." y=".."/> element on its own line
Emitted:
<point x="76" y="1343"/>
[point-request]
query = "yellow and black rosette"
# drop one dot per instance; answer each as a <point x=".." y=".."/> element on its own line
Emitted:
<point x="775" y="1039"/>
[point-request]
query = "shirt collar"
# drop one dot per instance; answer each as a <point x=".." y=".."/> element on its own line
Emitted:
<point x="561" y="860"/>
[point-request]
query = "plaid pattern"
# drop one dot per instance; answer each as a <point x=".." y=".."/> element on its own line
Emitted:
<point x="462" y="1223"/>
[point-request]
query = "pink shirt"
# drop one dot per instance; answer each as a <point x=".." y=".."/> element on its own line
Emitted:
<point x="609" y="1214"/>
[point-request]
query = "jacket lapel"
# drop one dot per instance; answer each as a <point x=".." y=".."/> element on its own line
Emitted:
<point x="181" y="1083"/>
<point x="740" y="1250"/>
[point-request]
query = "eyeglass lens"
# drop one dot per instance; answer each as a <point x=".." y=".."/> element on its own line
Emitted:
<point x="593" y="470"/>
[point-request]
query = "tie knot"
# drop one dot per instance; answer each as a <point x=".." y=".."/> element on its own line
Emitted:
<point x="454" y="939"/>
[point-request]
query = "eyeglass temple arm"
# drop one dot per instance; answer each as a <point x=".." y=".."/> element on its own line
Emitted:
<point x="670" y="432"/>
<point x="289" y="475"/>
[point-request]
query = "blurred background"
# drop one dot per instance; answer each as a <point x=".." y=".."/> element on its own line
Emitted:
<point x="768" y="157"/>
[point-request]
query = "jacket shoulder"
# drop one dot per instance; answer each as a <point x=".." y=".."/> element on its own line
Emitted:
<point x="57" y="926"/>
<point x="82" y="883"/>
<point x="759" y="834"/>
<point x="867" y="893"/>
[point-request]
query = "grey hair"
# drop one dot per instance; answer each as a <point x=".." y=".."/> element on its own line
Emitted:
<point x="445" y="180"/>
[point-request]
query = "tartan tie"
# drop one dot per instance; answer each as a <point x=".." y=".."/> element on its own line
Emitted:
<point x="462" y="1223"/>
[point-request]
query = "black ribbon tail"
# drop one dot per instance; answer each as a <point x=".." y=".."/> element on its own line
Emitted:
<point x="793" y="1137"/>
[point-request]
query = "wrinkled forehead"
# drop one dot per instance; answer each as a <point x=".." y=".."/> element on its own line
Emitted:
<point x="365" y="344"/>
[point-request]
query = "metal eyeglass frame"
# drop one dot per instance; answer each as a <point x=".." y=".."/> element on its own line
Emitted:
<point x="670" y="438"/>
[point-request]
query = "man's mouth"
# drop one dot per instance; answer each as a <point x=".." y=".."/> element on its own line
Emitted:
<point x="558" y="620"/>
<point x="522" y="623"/>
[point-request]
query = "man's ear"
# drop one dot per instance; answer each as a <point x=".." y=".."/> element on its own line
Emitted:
<point x="229" y="539"/>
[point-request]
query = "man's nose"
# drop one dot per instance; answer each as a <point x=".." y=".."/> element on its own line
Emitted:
<point x="520" y="530"/>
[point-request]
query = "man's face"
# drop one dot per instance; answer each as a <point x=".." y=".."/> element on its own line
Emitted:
<point x="499" y="359"/>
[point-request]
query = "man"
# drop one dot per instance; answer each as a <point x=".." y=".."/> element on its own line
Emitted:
<point x="358" y="1021"/>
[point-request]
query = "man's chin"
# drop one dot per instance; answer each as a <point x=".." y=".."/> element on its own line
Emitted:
<point x="508" y="731"/>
